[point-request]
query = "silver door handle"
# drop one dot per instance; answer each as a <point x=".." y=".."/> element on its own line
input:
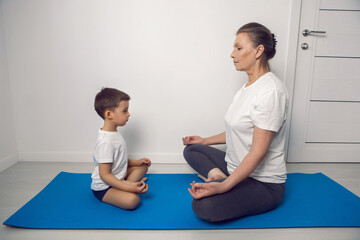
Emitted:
<point x="307" y="32"/>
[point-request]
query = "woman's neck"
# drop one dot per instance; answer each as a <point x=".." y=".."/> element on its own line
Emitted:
<point x="253" y="76"/>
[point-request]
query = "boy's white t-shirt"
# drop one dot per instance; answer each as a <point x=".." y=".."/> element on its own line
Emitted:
<point x="264" y="105"/>
<point x="110" y="148"/>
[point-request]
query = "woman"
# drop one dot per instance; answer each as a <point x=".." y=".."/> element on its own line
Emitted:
<point x="250" y="177"/>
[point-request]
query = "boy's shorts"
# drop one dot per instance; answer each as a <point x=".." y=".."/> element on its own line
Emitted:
<point x="100" y="194"/>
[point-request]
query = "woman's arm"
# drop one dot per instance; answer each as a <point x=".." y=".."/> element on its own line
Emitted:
<point x="110" y="179"/>
<point x="216" y="139"/>
<point x="260" y="145"/>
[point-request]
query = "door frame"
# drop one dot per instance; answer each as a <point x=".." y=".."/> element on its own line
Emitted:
<point x="292" y="51"/>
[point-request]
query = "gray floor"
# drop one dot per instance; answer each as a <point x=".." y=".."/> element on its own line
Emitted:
<point x="21" y="182"/>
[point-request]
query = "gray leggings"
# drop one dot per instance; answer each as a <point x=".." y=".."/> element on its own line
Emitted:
<point x="249" y="197"/>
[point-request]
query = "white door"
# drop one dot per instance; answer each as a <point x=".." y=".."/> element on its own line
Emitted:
<point x="325" y="122"/>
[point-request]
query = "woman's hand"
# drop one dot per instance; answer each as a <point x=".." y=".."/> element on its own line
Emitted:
<point x="216" y="139"/>
<point x="200" y="190"/>
<point x="137" y="187"/>
<point x="193" y="140"/>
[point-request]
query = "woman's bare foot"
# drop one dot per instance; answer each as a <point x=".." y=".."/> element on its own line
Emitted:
<point x="214" y="174"/>
<point x="202" y="177"/>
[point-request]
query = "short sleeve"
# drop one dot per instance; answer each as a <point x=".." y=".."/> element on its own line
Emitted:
<point x="269" y="110"/>
<point x="105" y="153"/>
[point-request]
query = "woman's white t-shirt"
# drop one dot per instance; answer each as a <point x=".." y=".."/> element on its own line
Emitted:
<point x="110" y="148"/>
<point x="262" y="104"/>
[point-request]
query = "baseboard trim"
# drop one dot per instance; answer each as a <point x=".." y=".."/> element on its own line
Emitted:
<point x="87" y="157"/>
<point x="159" y="157"/>
<point x="8" y="161"/>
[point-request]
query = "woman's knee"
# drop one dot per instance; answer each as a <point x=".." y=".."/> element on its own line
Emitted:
<point x="205" y="208"/>
<point x="186" y="151"/>
<point x="189" y="149"/>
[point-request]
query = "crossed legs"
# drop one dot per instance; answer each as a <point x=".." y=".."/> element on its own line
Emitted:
<point x="249" y="197"/>
<point x="209" y="162"/>
<point x="123" y="199"/>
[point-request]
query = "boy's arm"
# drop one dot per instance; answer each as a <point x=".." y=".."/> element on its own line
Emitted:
<point x="132" y="162"/>
<point x="110" y="179"/>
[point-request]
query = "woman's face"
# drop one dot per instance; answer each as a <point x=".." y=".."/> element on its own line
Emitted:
<point x="244" y="53"/>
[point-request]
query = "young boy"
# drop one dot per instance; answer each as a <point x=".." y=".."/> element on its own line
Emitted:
<point x="116" y="179"/>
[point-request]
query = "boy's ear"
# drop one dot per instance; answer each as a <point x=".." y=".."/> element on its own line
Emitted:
<point x="108" y="114"/>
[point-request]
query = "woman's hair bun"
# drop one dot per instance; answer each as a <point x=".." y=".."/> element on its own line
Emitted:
<point x="273" y="50"/>
<point x="274" y="40"/>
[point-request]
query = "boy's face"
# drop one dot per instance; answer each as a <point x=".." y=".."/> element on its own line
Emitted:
<point x="121" y="114"/>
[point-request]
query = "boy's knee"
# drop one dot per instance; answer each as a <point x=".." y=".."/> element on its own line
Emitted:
<point x="145" y="168"/>
<point x="142" y="168"/>
<point x="132" y="202"/>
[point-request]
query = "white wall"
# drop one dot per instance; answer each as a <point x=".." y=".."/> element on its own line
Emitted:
<point x="171" y="57"/>
<point x="8" y="151"/>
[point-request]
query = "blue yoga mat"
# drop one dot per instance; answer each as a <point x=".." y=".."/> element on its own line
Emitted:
<point x="311" y="200"/>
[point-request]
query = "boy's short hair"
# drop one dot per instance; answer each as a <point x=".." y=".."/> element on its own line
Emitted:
<point x="108" y="99"/>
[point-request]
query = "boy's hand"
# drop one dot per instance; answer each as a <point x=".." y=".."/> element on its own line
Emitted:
<point x="144" y="161"/>
<point x="139" y="163"/>
<point x="138" y="187"/>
